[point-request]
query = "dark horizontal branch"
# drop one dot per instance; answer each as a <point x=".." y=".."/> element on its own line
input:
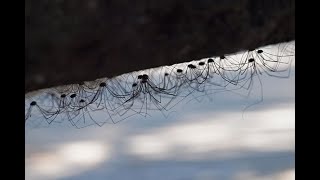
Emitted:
<point x="80" y="40"/>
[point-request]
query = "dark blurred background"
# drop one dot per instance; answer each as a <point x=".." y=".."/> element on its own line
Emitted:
<point x="69" y="41"/>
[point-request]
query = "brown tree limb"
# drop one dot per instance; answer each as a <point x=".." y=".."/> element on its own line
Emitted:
<point x="69" y="41"/>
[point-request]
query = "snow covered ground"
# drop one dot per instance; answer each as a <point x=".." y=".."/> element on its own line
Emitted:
<point x="211" y="139"/>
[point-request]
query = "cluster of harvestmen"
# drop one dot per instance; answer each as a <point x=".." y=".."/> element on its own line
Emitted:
<point x="138" y="93"/>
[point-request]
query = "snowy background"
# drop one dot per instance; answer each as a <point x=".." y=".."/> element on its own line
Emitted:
<point x="211" y="139"/>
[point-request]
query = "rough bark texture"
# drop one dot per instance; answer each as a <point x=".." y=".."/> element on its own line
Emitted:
<point x="68" y="41"/>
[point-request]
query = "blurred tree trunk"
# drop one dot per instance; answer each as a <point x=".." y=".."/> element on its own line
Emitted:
<point x="68" y="41"/>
